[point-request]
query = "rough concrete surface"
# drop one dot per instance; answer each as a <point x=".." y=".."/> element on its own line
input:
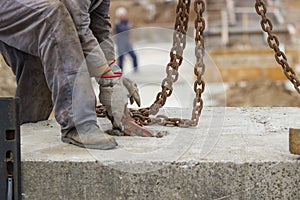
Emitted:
<point x="234" y="153"/>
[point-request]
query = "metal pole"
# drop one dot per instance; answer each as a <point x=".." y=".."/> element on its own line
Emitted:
<point x="10" y="159"/>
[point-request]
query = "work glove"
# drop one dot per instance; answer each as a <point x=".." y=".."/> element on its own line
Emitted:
<point x="114" y="93"/>
<point x="133" y="93"/>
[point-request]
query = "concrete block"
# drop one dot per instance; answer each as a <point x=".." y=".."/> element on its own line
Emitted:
<point x="234" y="153"/>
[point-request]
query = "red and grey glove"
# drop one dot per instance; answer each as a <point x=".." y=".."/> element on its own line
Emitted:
<point x="133" y="93"/>
<point x="114" y="93"/>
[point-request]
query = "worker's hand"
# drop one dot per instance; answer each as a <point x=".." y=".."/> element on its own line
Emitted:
<point x="113" y="95"/>
<point x="133" y="93"/>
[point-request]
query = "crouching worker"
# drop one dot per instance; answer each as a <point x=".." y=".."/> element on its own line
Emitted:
<point x="53" y="48"/>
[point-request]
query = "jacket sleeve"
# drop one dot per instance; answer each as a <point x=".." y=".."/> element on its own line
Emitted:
<point x="101" y="27"/>
<point x="95" y="57"/>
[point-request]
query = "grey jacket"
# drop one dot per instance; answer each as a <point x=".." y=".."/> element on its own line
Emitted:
<point x="91" y="18"/>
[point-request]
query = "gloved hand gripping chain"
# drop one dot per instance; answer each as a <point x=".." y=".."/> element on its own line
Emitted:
<point x="113" y="95"/>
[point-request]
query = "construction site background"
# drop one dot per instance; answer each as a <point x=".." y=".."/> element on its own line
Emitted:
<point x="233" y="40"/>
<point x="162" y="13"/>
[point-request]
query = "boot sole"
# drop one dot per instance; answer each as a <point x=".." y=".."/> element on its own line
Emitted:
<point x="89" y="146"/>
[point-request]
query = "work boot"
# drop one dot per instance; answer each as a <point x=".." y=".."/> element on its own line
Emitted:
<point x="89" y="136"/>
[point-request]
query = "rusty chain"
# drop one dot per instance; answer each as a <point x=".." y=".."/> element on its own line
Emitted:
<point x="179" y="43"/>
<point x="199" y="84"/>
<point x="273" y="42"/>
<point x="176" y="58"/>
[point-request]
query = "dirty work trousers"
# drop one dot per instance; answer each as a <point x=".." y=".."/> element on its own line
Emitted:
<point x="39" y="41"/>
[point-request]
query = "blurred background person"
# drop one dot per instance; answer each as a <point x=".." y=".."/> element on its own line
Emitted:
<point x="124" y="45"/>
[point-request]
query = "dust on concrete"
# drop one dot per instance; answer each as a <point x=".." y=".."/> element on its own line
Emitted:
<point x="261" y="93"/>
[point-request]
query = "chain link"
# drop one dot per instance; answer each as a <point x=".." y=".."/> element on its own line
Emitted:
<point x="273" y="42"/>
<point x="101" y="111"/>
